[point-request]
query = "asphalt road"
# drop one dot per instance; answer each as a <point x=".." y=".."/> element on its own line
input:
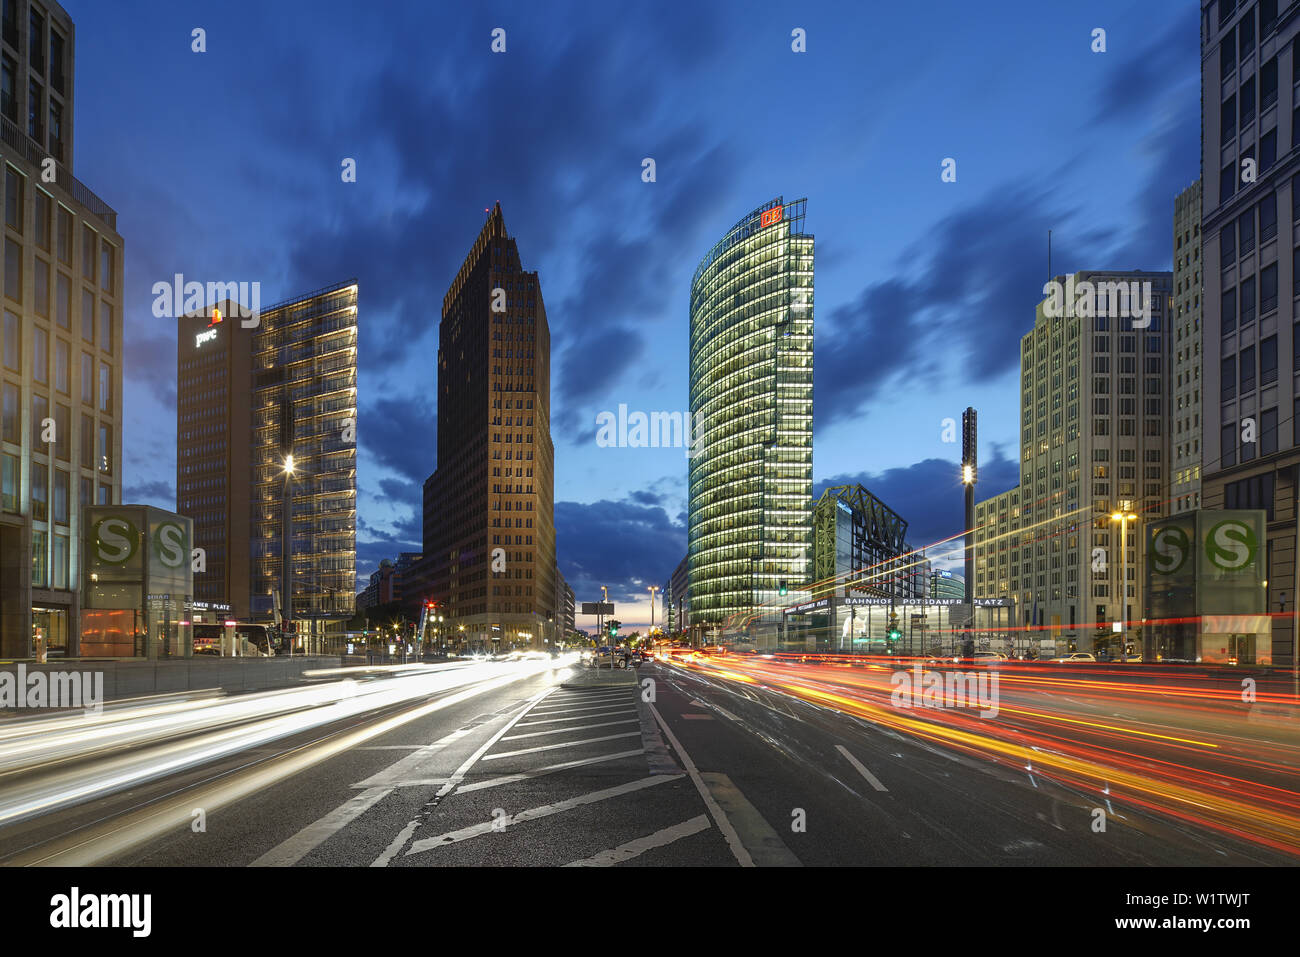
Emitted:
<point x="685" y="768"/>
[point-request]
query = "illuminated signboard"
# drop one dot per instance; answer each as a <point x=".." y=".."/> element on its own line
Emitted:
<point x="772" y="215"/>
<point x="203" y="337"/>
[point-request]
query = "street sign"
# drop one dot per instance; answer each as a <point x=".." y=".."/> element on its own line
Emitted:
<point x="598" y="608"/>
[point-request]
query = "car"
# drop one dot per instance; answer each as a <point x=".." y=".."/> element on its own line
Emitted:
<point x="1078" y="656"/>
<point x="990" y="656"/>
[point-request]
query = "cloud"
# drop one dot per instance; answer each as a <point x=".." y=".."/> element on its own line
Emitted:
<point x="158" y="493"/>
<point x="928" y="494"/>
<point x="626" y="546"/>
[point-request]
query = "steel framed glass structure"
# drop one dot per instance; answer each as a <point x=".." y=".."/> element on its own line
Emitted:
<point x="751" y="387"/>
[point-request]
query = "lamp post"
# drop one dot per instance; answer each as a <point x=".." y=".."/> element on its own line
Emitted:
<point x="969" y="446"/>
<point x="286" y="550"/>
<point x="653" y="589"/>
<point x="1124" y="514"/>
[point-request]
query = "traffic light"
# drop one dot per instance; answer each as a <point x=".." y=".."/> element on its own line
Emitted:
<point x="893" y="634"/>
<point x="783" y="588"/>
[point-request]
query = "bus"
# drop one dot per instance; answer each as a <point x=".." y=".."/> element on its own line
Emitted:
<point x="251" y="641"/>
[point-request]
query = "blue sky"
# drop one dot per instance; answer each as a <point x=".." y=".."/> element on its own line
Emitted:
<point x="225" y="166"/>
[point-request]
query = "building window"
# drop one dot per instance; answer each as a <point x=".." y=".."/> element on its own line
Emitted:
<point x="62" y="366"/>
<point x="41" y="229"/>
<point x="1247" y="369"/>
<point x="9" y="90"/>
<point x="1228" y="443"/>
<point x="40" y="493"/>
<point x="106" y="327"/>
<point x="1227" y="120"/>
<point x="13" y="342"/>
<point x="106" y="449"/>
<point x="1268" y="288"/>
<point x="63" y="301"/>
<point x="1246" y="231"/>
<point x="64" y="236"/>
<point x="87" y="379"/>
<point x="8" y="482"/>
<point x="10" y="420"/>
<point x="88" y="239"/>
<point x="1268" y="360"/>
<point x="61" y="496"/>
<point x="106" y="272"/>
<point x="1268" y="85"/>
<point x="1228" y="378"/>
<point x="1268" y="432"/>
<point x="1267" y="154"/>
<point x="35" y="110"/>
<point x="40" y="356"/>
<point x="1228" y="244"/>
<point x="13" y="270"/>
<point x="88" y="315"/>
<point x="1268" y="218"/>
<point x="14" y="184"/>
<point x="41" y="287"/>
<point x="1248" y="301"/>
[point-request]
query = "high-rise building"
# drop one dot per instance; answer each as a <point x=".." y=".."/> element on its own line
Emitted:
<point x="213" y="430"/>
<point x="60" y="339"/>
<point x="1094" y="440"/>
<point x="489" y="526"/>
<point x="1251" y="413"/>
<point x="677" y="598"/>
<point x="1185" y="407"/>
<point x="304" y="460"/>
<point x="751" y="391"/>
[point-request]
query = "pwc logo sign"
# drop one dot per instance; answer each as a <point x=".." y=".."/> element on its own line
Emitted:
<point x="116" y="540"/>
<point x="1231" y="545"/>
<point x="771" y="216"/>
<point x="1170" y="548"/>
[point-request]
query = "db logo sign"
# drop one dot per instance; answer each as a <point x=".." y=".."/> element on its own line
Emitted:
<point x="1170" y="549"/>
<point x="169" y="544"/>
<point x="1231" y="545"/>
<point x="772" y="215"/>
<point x="116" y="540"/>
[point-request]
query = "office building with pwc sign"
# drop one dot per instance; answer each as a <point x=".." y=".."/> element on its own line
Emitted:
<point x="139" y="583"/>
<point x="1206" y="589"/>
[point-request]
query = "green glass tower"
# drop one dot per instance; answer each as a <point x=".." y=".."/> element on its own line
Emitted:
<point x="751" y="392"/>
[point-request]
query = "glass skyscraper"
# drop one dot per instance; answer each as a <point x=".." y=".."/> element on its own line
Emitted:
<point x="751" y="392"/>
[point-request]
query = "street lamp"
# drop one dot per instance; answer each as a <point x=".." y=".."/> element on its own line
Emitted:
<point x="286" y="556"/>
<point x="653" y="589"/>
<point x="1123" y="516"/>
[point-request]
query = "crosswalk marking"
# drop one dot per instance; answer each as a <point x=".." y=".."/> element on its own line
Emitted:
<point x="546" y="810"/>
<point x="661" y="838"/>
<point x="565" y="744"/>
<point x="581" y="727"/>
<point x="549" y="769"/>
<point x="580" y="717"/>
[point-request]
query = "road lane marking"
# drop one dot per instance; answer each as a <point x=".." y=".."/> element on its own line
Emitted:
<point x="487" y="827"/>
<point x="580" y="717"/>
<point x="414" y="767"/>
<point x="399" y="842"/>
<point x="625" y="852"/>
<point x="594" y="707"/>
<point x="290" y="852"/>
<point x="713" y="707"/>
<point x="862" y="769"/>
<point x="581" y="727"/>
<point x="763" y="843"/>
<point x="566" y="744"/>
<point x="549" y="769"/>
<point x="720" y="818"/>
<point x="698" y="717"/>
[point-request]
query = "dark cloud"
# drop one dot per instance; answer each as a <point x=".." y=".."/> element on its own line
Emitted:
<point x="928" y="495"/>
<point x="151" y="361"/>
<point x="627" y="546"/>
<point x="401" y="434"/>
<point x="159" y="493"/>
<point x="1139" y="74"/>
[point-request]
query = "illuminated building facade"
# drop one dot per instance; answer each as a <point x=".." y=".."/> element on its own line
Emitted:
<point x="493" y="491"/>
<point x="213" y="426"/>
<point x="304" y="406"/>
<point x="60" y="340"/>
<point x="751" y="388"/>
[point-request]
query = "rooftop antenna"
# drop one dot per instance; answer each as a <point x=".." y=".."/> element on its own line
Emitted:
<point x="1049" y="255"/>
